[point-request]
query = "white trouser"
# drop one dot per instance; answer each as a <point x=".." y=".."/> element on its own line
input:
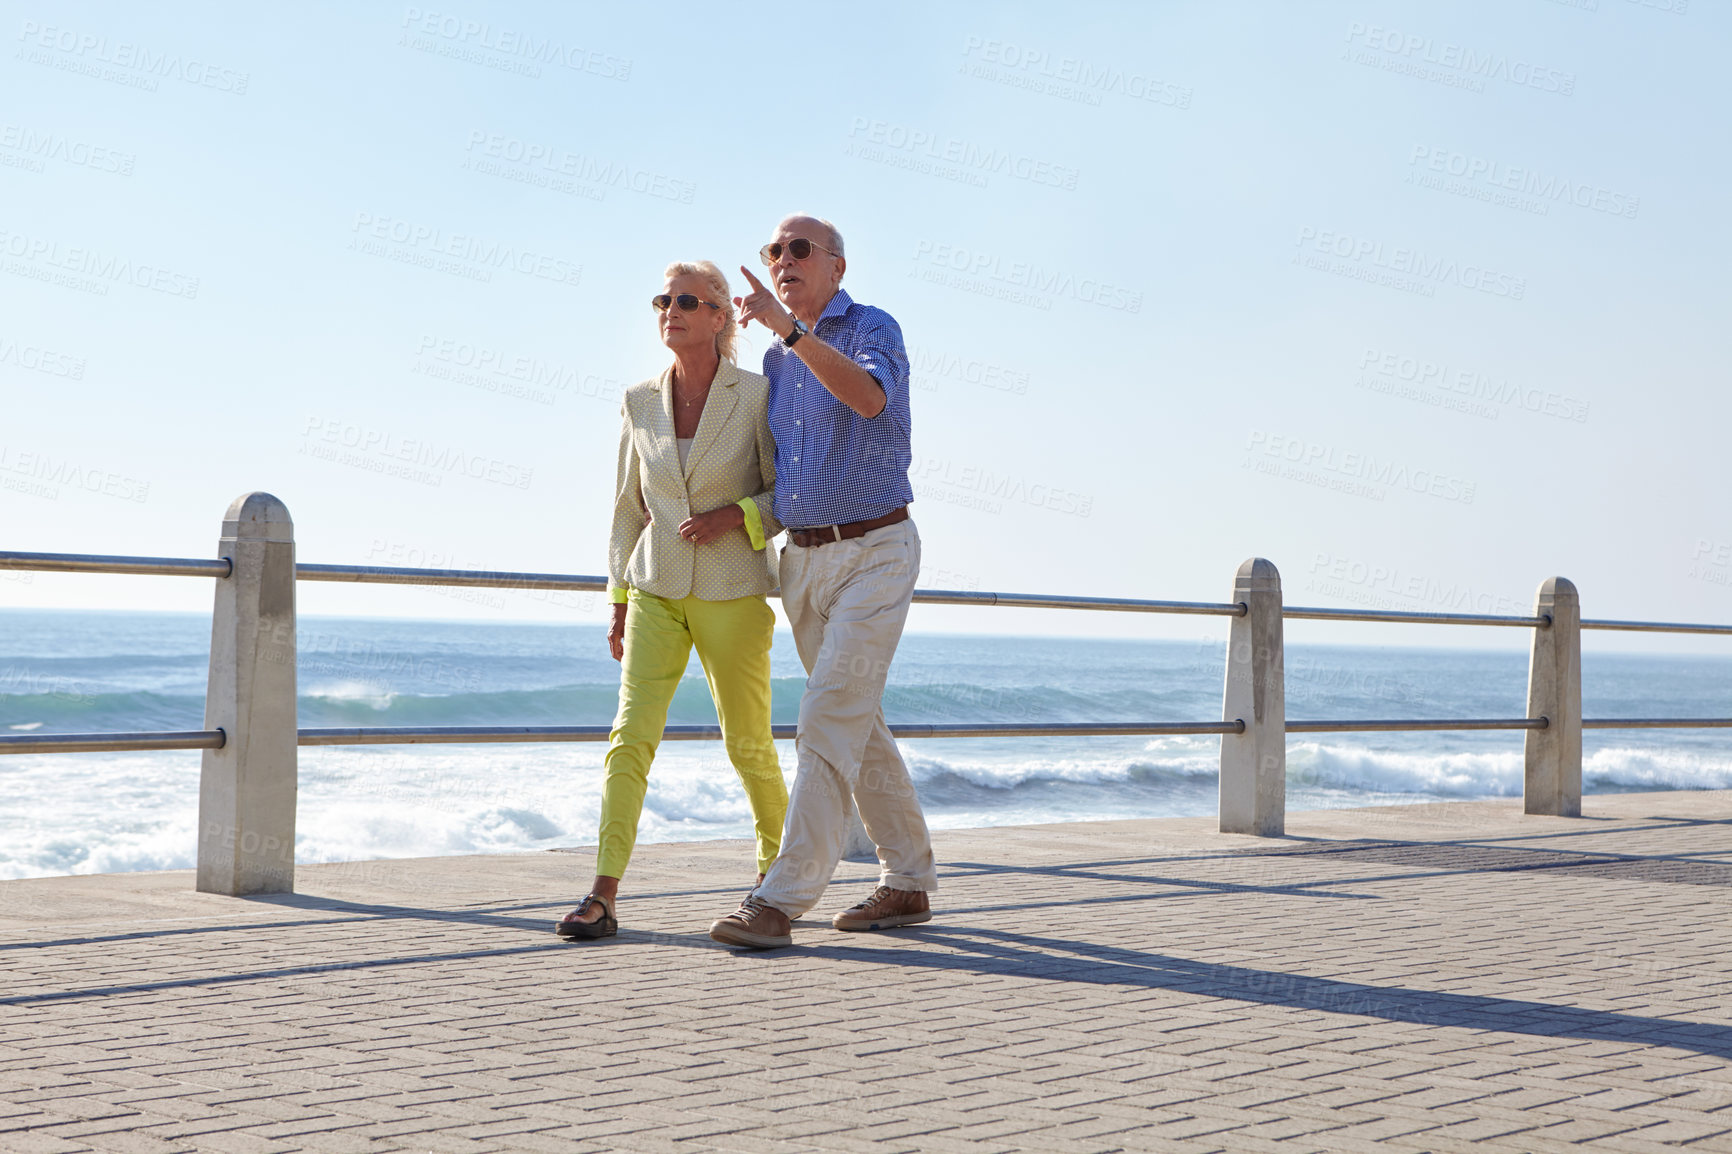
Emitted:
<point x="847" y="602"/>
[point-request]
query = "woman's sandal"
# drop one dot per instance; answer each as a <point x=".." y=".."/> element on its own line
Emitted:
<point x="605" y="926"/>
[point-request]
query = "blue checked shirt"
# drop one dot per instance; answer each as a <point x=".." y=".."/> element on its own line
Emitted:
<point x="834" y="466"/>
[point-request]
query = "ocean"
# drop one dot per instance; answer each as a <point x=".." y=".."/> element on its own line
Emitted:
<point x="63" y="671"/>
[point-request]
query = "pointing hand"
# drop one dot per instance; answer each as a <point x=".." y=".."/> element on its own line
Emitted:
<point x="762" y="306"/>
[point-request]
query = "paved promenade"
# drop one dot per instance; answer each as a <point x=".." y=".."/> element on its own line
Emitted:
<point x="1438" y="977"/>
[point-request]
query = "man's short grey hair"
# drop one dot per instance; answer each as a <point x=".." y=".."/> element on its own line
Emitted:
<point x="835" y="236"/>
<point x="835" y="233"/>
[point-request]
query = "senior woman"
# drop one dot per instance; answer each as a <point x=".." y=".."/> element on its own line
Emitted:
<point x="689" y="564"/>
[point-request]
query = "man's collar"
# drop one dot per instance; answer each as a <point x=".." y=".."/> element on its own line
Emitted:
<point x="838" y="304"/>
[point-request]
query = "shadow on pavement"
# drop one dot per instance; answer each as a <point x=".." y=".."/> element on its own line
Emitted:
<point x="995" y="952"/>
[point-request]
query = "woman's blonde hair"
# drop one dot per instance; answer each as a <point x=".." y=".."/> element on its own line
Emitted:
<point x="718" y="284"/>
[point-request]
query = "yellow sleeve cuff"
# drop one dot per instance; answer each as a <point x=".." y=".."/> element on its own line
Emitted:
<point x="617" y="595"/>
<point x="754" y="521"/>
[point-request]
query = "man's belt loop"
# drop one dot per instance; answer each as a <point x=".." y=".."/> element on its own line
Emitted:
<point x="836" y="529"/>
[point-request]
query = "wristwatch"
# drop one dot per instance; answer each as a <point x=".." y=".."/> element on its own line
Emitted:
<point x="800" y="330"/>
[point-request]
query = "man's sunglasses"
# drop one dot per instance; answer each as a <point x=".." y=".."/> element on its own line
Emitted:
<point x="688" y="303"/>
<point x="799" y="248"/>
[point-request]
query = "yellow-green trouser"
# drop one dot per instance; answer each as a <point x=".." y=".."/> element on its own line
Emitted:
<point x="733" y="642"/>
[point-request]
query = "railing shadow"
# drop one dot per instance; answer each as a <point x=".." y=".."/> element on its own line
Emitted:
<point x="1444" y="859"/>
<point x="1002" y="953"/>
<point x="1428" y="859"/>
<point x="1175" y="886"/>
<point x="352" y="911"/>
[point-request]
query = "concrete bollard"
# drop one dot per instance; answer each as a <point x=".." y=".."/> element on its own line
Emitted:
<point x="246" y="797"/>
<point x="1552" y="783"/>
<point x="1254" y="763"/>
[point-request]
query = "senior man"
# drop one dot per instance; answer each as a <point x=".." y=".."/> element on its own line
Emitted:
<point x="839" y="413"/>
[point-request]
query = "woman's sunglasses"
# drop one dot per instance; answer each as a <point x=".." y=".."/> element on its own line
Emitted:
<point x="688" y="303"/>
<point x="799" y="248"/>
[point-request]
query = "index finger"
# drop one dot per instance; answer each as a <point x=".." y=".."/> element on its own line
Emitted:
<point x="756" y="283"/>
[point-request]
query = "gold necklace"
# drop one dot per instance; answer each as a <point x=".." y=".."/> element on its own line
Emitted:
<point x="687" y="402"/>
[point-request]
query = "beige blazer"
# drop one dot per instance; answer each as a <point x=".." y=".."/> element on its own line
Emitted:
<point x="732" y="458"/>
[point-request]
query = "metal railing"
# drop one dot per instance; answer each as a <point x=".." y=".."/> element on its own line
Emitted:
<point x="248" y="778"/>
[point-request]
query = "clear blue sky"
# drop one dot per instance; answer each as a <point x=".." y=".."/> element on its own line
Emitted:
<point x="1425" y="303"/>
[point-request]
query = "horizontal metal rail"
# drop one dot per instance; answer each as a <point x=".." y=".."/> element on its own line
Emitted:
<point x="389" y="575"/>
<point x="1312" y="614"/>
<point x="491" y="734"/>
<point x="1654" y="626"/>
<point x="477" y="734"/>
<point x="1443" y="723"/>
<point x="94" y="563"/>
<point x="465" y="734"/>
<point x="1044" y="601"/>
<point x="588" y="583"/>
<point x="107" y="742"/>
<point x="1657" y="723"/>
<point x="495" y="734"/>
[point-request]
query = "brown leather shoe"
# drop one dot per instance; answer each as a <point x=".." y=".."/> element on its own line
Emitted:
<point x="885" y="908"/>
<point x="756" y="924"/>
<point x="754" y="890"/>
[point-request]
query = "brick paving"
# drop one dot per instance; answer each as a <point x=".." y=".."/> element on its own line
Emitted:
<point x="1438" y="977"/>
